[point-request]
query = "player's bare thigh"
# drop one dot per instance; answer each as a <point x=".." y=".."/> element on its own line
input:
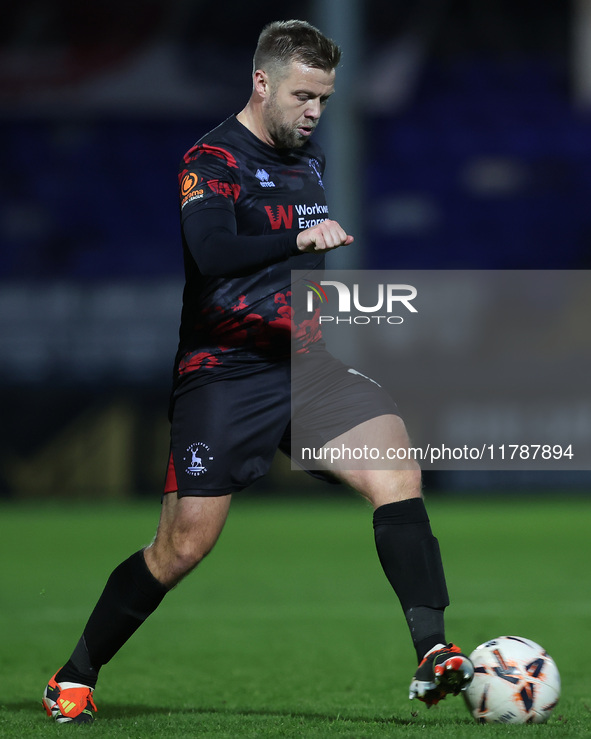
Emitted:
<point x="188" y="529"/>
<point x="385" y="480"/>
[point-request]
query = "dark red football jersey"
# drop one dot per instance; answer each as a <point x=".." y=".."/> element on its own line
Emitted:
<point x="234" y="320"/>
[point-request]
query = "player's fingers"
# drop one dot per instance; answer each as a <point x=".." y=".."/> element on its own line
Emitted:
<point x="318" y="240"/>
<point x="323" y="236"/>
<point x="336" y="234"/>
<point x="331" y="235"/>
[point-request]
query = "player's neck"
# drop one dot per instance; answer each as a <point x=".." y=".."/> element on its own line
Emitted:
<point x="251" y="119"/>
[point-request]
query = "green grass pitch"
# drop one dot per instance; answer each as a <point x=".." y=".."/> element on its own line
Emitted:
<point x="290" y="629"/>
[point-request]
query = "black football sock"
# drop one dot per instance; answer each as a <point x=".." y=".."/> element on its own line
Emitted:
<point x="410" y="557"/>
<point x="131" y="594"/>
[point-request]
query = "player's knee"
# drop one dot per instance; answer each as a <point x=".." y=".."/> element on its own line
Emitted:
<point x="407" y="483"/>
<point x="390" y="486"/>
<point x="186" y="553"/>
<point x="175" y="557"/>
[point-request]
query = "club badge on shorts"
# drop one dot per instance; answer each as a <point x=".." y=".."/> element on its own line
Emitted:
<point x="200" y="456"/>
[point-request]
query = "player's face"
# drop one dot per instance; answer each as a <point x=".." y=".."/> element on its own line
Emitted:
<point x="295" y="103"/>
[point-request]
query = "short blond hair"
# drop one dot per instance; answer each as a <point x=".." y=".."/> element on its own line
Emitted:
<point x="283" y="42"/>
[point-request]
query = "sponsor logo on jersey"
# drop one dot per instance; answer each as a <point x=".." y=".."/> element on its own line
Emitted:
<point x="282" y="216"/>
<point x="279" y="216"/>
<point x="264" y="178"/>
<point x="190" y="189"/>
<point x="315" y="167"/>
<point x="303" y="211"/>
<point x="200" y="456"/>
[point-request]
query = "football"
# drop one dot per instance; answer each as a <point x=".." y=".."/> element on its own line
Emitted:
<point x="515" y="682"/>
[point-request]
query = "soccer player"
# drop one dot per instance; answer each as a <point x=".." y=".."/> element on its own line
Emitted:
<point x="241" y="189"/>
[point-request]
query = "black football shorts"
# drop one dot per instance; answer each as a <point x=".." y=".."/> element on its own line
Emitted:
<point x="224" y="434"/>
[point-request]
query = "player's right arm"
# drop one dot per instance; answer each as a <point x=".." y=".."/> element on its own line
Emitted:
<point x="209" y="189"/>
<point x="219" y="251"/>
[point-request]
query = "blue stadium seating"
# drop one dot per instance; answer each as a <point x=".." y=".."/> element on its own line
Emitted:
<point x="489" y="167"/>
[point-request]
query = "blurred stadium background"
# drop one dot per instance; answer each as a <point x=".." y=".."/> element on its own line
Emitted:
<point x="460" y="138"/>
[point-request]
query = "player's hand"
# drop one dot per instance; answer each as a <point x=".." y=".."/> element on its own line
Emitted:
<point x="324" y="236"/>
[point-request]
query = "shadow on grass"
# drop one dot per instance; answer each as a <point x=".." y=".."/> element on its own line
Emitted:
<point x="130" y="711"/>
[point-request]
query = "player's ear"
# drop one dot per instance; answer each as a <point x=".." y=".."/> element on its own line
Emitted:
<point x="260" y="83"/>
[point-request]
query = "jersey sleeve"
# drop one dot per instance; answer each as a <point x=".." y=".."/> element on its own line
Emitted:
<point x="208" y="178"/>
<point x="219" y="251"/>
<point x="209" y="187"/>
